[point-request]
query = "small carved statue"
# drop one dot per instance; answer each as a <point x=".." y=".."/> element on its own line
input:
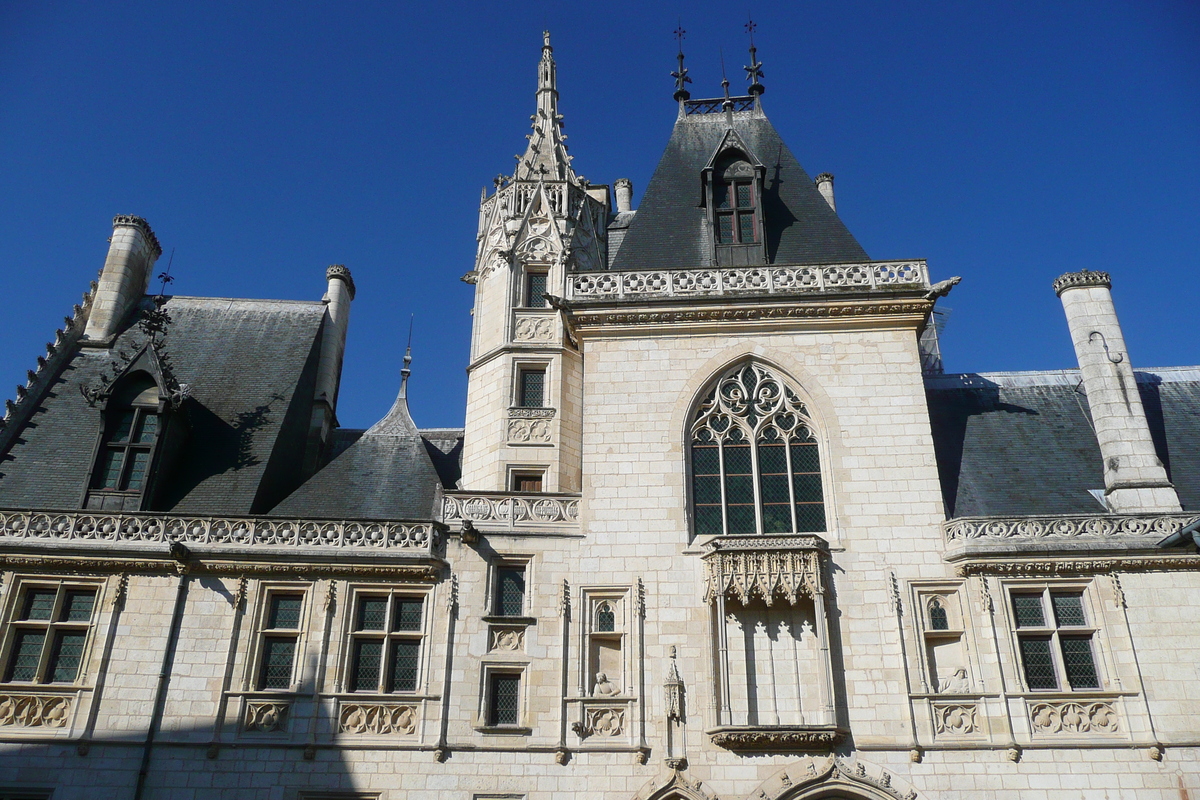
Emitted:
<point x="958" y="683"/>
<point x="604" y="687"/>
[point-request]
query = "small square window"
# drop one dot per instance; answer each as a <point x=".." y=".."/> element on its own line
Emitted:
<point x="527" y="481"/>
<point x="531" y="388"/>
<point x="1054" y="641"/>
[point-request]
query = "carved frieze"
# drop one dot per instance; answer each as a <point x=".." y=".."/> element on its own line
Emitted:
<point x="753" y="313"/>
<point x="605" y="721"/>
<point x="34" y="710"/>
<point x="1065" y="526"/>
<point x="530" y="431"/>
<point x="510" y="510"/>
<point x="1070" y="717"/>
<point x="379" y="719"/>
<point x="1083" y="566"/>
<point x="507" y="639"/>
<point x="1072" y="280"/>
<point x="764" y="567"/>
<point x="266" y="716"/>
<point x="777" y="738"/>
<point x="955" y="719"/>
<point x="534" y="328"/>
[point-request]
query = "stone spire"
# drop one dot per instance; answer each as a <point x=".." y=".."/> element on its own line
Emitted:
<point x="546" y="156"/>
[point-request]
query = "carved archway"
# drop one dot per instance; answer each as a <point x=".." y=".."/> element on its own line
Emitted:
<point x="675" y="787"/>
<point x="832" y="779"/>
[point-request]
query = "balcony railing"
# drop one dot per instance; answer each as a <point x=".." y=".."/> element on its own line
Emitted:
<point x="506" y="510"/>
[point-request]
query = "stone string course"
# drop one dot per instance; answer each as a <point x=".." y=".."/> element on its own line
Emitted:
<point x="1068" y="526"/>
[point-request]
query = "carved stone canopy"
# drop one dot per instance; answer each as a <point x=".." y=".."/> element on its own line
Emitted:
<point x="767" y="568"/>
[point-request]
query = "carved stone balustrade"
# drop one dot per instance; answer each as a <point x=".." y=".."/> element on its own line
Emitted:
<point x="507" y="511"/>
<point x="1066" y="543"/>
<point x="772" y="280"/>
<point x="764" y="567"/>
<point x="216" y="536"/>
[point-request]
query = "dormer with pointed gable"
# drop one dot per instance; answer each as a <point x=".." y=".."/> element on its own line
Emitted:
<point x="539" y="224"/>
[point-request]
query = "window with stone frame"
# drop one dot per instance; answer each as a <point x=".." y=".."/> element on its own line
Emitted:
<point x="502" y="697"/>
<point x="755" y="465"/>
<point x="735" y="203"/>
<point x="508" y="590"/>
<point x="534" y="290"/>
<point x="127" y="446"/>
<point x="1055" y="638"/>
<point x="531" y="387"/>
<point x="387" y="632"/>
<point x="279" y="639"/>
<point x="47" y="633"/>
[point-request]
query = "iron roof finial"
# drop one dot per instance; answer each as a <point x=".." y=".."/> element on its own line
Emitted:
<point x="681" y="77"/>
<point x="754" y="72"/>
<point x="405" y="371"/>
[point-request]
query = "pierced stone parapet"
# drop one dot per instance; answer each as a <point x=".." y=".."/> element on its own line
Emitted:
<point x="378" y="719"/>
<point x="833" y="278"/>
<point x="764" y="567"/>
<point x="266" y="716"/>
<point x="509" y="510"/>
<point x="1070" y="717"/>
<point x="1065" y="527"/>
<point x="1074" y="280"/>
<point x="35" y="710"/>
<point x="416" y="538"/>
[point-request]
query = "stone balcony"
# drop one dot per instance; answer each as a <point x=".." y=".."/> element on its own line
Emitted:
<point x="830" y="279"/>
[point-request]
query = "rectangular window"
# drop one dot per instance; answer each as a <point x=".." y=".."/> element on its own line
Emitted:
<point x="504" y="699"/>
<point x="531" y="388"/>
<point x="1054" y="640"/>
<point x="280" y="639"/>
<point x="527" y="481"/>
<point x="125" y="453"/>
<point x="385" y="652"/>
<point x="49" y="633"/>
<point x="535" y="290"/>
<point x="508" y="598"/>
<point x="706" y="488"/>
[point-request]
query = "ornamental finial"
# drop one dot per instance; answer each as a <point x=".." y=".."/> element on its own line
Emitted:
<point x="754" y="73"/>
<point x="681" y="76"/>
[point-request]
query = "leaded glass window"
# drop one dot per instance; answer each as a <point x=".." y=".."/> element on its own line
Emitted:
<point x="535" y="290"/>
<point x="755" y="462"/>
<point x="504" y="699"/>
<point x="938" y="620"/>
<point x="531" y="388"/>
<point x="1054" y="640"/>
<point x="49" y="634"/>
<point x="386" y="643"/>
<point x="126" y="450"/>
<point x="734" y="205"/>
<point x="509" y="592"/>
<point x="280" y="639"/>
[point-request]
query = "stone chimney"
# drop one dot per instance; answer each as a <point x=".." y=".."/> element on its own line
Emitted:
<point x="1134" y="478"/>
<point x="623" y="189"/>
<point x="337" y="299"/>
<point x="824" y="183"/>
<point x="132" y="251"/>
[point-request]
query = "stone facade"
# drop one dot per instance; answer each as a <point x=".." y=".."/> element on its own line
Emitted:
<point x="589" y="636"/>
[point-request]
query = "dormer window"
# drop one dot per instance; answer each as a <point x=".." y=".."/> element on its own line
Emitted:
<point x="733" y="196"/>
<point x="127" y="446"/>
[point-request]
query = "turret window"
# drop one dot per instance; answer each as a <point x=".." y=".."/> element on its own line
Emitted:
<point x="755" y="464"/>
<point x="535" y="290"/>
<point x="531" y="388"/>
<point x="733" y="198"/>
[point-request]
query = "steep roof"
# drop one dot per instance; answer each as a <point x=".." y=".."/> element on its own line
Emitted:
<point x="389" y="471"/>
<point x="1022" y="443"/>
<point x="250" y="366"/>
<point x="670" y="230"/>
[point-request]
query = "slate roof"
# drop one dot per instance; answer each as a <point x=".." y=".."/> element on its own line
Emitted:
<point x="251" y="366"/>
<point x="1011" y="444"/>
<point x="670" y="230"/>
<point x="389" y="471"/>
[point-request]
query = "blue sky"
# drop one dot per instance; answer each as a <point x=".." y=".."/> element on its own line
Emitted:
<point x="1004" y="142"/>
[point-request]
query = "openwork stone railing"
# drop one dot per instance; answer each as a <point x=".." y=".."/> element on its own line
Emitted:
<point x="511" y="510"/>
<point x="748" y="280"/>
<point x="1062" y="527"/>
<point x="35" y="710"/>
<point x="764" y="567"/>
<point x="416" y="538"/>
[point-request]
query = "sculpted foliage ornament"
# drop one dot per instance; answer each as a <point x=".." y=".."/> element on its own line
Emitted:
<point x="34" y="711"/>
<point x="1072" y="717"/>
<point x="380" y="719"/>
<point x="266" y="716"/>
<point x="957" y="719"/>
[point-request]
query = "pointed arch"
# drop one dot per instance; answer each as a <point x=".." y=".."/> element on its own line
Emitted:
<point x="753" y="457"/>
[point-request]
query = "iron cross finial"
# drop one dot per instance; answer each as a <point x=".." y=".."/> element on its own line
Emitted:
<point x="754" y="72"/>
<point x="681" y="76"/>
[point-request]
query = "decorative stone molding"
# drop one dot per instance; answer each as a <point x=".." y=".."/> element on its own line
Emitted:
<point x="745" y="567"/>
<point x="1073" y="280"/>
<point x="510" y="510"/>
<point x="776" y="738"/>
<point x="417" y="538"/>
<point x="340" y="272"/>
<point x="35" y="710"/>
<point x="534" y="328"/>
<point x="379" y="719"/>
<point x="955" y="719"/>
<point x="294" y="568"/>
<point x="266" y="716"/>
<point x="1042" y="567"/>
<point x="604" y="721"/>
<point x="1070" y="717"/>
<point x="830" y="775"/>
<point x="530" y="431"/>
<point x="748" y="280"/>
<point x="507" y="639"/>
<point x="531" y="413"/>
<point x="1065" y="526"/>
<point x="583" y="317"/>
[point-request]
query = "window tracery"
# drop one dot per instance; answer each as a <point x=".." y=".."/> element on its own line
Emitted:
<point x="755" y="462"/>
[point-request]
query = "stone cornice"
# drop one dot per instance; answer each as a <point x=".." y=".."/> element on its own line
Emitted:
<point x="36" y="562"/>
<point x="584" y="318"/>
<point x="1075" y="280"/>
<point x="1041" y="567"/>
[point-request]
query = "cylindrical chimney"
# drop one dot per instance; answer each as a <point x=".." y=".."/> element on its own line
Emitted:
<point x="1134" y="478"/>
<point x="132" y="251"/>
<point x="825" y="187"/>
<point x="333" y="341"/>
<point x="623" y="189"/>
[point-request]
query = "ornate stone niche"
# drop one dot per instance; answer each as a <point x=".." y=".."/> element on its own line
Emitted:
<point x="770" y="640"/>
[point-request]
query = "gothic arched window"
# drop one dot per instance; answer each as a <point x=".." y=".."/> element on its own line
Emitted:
<point x="755" y="465"/>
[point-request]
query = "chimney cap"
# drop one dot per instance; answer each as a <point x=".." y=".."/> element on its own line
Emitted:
<point x="341" y="273"/>
<point x="823" y="177"/>
<point x="133" y="221"/>
<point x="1075" y="280"/>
